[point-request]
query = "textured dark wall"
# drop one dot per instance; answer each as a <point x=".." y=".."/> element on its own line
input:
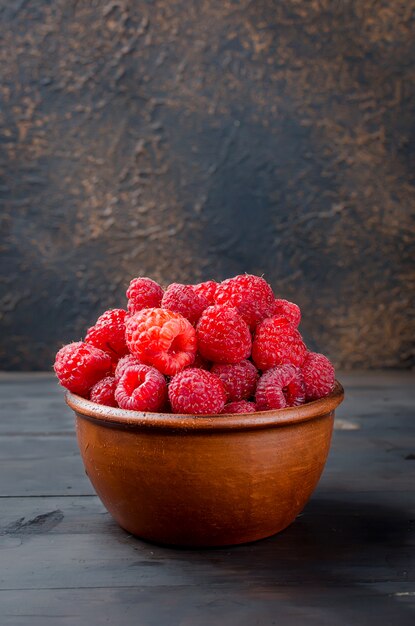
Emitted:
<point x="186" y="140"/>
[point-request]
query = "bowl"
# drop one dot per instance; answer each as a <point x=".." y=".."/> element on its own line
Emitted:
<point x="205" y="480"/>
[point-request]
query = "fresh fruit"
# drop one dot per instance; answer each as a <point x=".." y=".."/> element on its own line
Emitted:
<point x="222" y="335"/>
<point x="185" y="300"/>
<point x="242" y="406"/>
<point x="318" y="374"/>
<point x="108" y="333"/>
<point x="197" y="392"/>
<point x="103" y="392"/>
<point x="289" y="310"/>
<point x="123" y="363"/>
<point x="141" y="388"/>
<point x="276" y="342"/>
<point x="221" y="343"/>
<point x="239" y="379"/>
<point x="280" y="387"/>
<point x="161" y="338"/>
<point x="79" y="366"/>
<point x="250" y="295"/>
<point x="143" y="293"/>
<point x="207" y="289"/>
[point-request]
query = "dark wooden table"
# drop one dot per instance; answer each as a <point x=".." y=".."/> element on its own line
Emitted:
<point x="347" y="560"/>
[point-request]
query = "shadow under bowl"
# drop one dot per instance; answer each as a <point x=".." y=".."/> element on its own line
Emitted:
<point x="205" y="480"/>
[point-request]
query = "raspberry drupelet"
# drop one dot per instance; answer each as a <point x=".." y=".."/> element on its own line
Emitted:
<point x="243" y="406"/>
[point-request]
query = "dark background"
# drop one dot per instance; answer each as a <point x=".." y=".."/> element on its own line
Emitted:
<point x="188" y="140"/>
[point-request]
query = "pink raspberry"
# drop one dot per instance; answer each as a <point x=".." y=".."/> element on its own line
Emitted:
<point x="239" y="407"/>
<point x="161" y="338"/>
<point x="289" y="310"/>
<point x="196" y="392"/>
<point x="141" y="388"/>
<point x="103" y="392"/>
<point x="251" y="295"/>
<point x="318" y="374"/>
<point x="239" y="379"/>
<point x="108" y="333"/>
<point x="185" y="300"/>
<point x="143" y="293"/>
<point x="280" y="387"/>
<point x="79" y="366"/>
<point x="223" y="336"/>
<point x="207" y="289"/>
<point x="123" y="363"/>
<point x="276" y="342"/>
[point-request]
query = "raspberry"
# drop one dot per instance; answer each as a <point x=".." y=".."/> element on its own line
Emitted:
<point x="161" y="338"/>
<point x="280" y="387"/>
<point x="239" y="379"/>
<point x="183" y="299"/>
<point x="123" y="363"/>
<point x="277" y="342"/>
<point x="79" y="366"/>
<point x="239" y="407"/>
<point x="251" y="295"/>
<point x="108" y="333"/>
<point x="318" y="374"/>
<point x="197" y="392"/>
<point x="223" y="336"/>
<point x="143" y="293"/>
<point x="289" y="310"/>
<point x="207" y="289"/>
<point x="103" y="392"/>
<point x="141" y="388"/>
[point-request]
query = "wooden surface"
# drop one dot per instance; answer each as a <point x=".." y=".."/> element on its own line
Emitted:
<point x="348" y="559"/>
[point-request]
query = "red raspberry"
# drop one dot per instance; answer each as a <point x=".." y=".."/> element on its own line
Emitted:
<point x="289" y="310"/>
<point x="207" y="289"/>
<point x="197" y="392"/>
<point x="280" y="387"/>
<point x="223" y="336"/>
<point x="318" y="374"/>
<point x="183" y="299"/>
<point x="161" y="338"/>
<point x="239" y="407"/>
<point x="239" y="379"/>
<point x="143" y="293"/>
<point x="251" y="295"/>
<point x="103" y="392"/>
<point x="108" y="333"/>
<point x="277" y="342"/>
<point x="141" y="388"/>
<point x="79" y="366"/>
<point x="123" y="363"/>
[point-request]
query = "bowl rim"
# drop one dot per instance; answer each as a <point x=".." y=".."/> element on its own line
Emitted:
<point x="122" y="418"/>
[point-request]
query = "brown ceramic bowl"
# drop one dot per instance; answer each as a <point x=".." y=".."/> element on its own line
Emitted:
<point x="205" y="481"/>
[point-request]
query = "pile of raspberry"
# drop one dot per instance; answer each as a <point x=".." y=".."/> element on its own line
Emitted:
<point x="206" y="349"/>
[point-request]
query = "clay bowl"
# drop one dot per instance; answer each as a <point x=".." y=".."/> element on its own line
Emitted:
<point x="205" y="481"/>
